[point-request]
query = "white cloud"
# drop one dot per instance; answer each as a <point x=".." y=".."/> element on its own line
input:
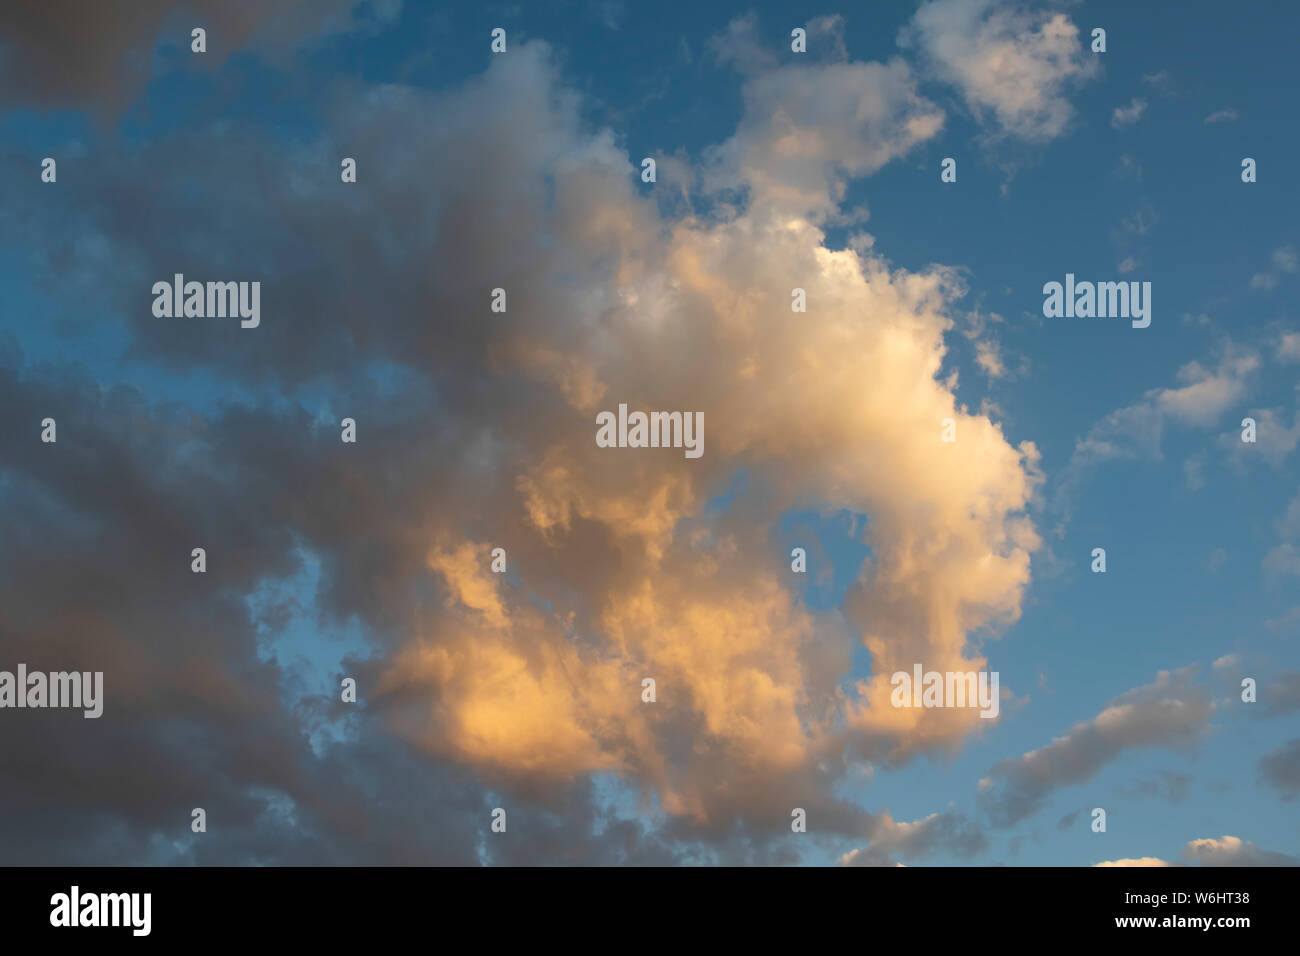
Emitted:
<point x="1221" y="116"/>
<point x="1283" y="261"/>
<point x="1274" y="438"/>
<point x="1136" y="432"/>
<point x="1015" y="65"/>
<point x="1285" y="557"/>
<point x="1288" y="349"/>
<point x="1138" y="861"/>
<point x="1161" y="81"/>
<point x="1128" y="167"/>
<point x="807" y="127"/>
<point x="1128" y="115"/>
<point x="989" y="357"/>
<point x="1221" y="851"/>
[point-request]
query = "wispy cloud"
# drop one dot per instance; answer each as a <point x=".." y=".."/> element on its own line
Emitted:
<point x="1128" y="115"/>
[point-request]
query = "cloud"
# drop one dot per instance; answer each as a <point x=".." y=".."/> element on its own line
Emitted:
<point x="1224" y="851"/>
<point x="1128" y="167"/>
<point x="1136" y="432"/>
<point x="808" y="127"/>
<point x="1205" y="394"/>
<point x="1280" y="768"/>
<point x="609" y="13"/>
<point x="476" y="430"/>
<point x="1167" y="785"/>
<point x="1286" y="619"/>
<point x="1128" y="115"/>
<point x="1284" y="558"/>
<point x="1221" y="116"/>
<point x="1233" y="851"/>
<point x="1142" y="221"/>
<point x="64" y="53"/>
<point x="949" y="833"/>
<point x="1281" y="694"/>
<point x="1136" y="861"/>
<point x="1161" y="81"/>
<point x="1015" y="65"/>
<point x="1284" y="261"/>
<point x="988" y="356"/>
<point x="1274" y="438"/>
<point x="1172" y="712"/>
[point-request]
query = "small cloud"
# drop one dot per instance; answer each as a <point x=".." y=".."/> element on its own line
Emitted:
<point x="1135" y="861"/>
<point x="1280" y="769"/>
<point x="1289" y="618"/>
<point x="1224" y="851"/>
<point x="1283" y="559"/>
<point x="1221" y="116"/>
<point x="1281" y="694"/>
<point x="1128" y="115"/>
<point x="1012" y="66"/>
<point x="1128" y="167"/>
<point x="1233" y="851"/>
<point x="1068" y="821"/>
<point x="1284" y="261"/>
<point x="610" y="13"/>
<point x="988" y="358"/>
<point x="1161" y="81"/>
<point x="1142" y="220"/>
<point x="1128" y="265"/>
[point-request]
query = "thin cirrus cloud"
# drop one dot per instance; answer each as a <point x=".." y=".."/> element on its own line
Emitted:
<point x="1200" y="400"/>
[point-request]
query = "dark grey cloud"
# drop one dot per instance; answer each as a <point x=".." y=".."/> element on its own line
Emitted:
<point x="1280" y="695"/>
<point x="1280" y="769"/>
<point x="69" y="54"/>
<point x="1166" y="784"/>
